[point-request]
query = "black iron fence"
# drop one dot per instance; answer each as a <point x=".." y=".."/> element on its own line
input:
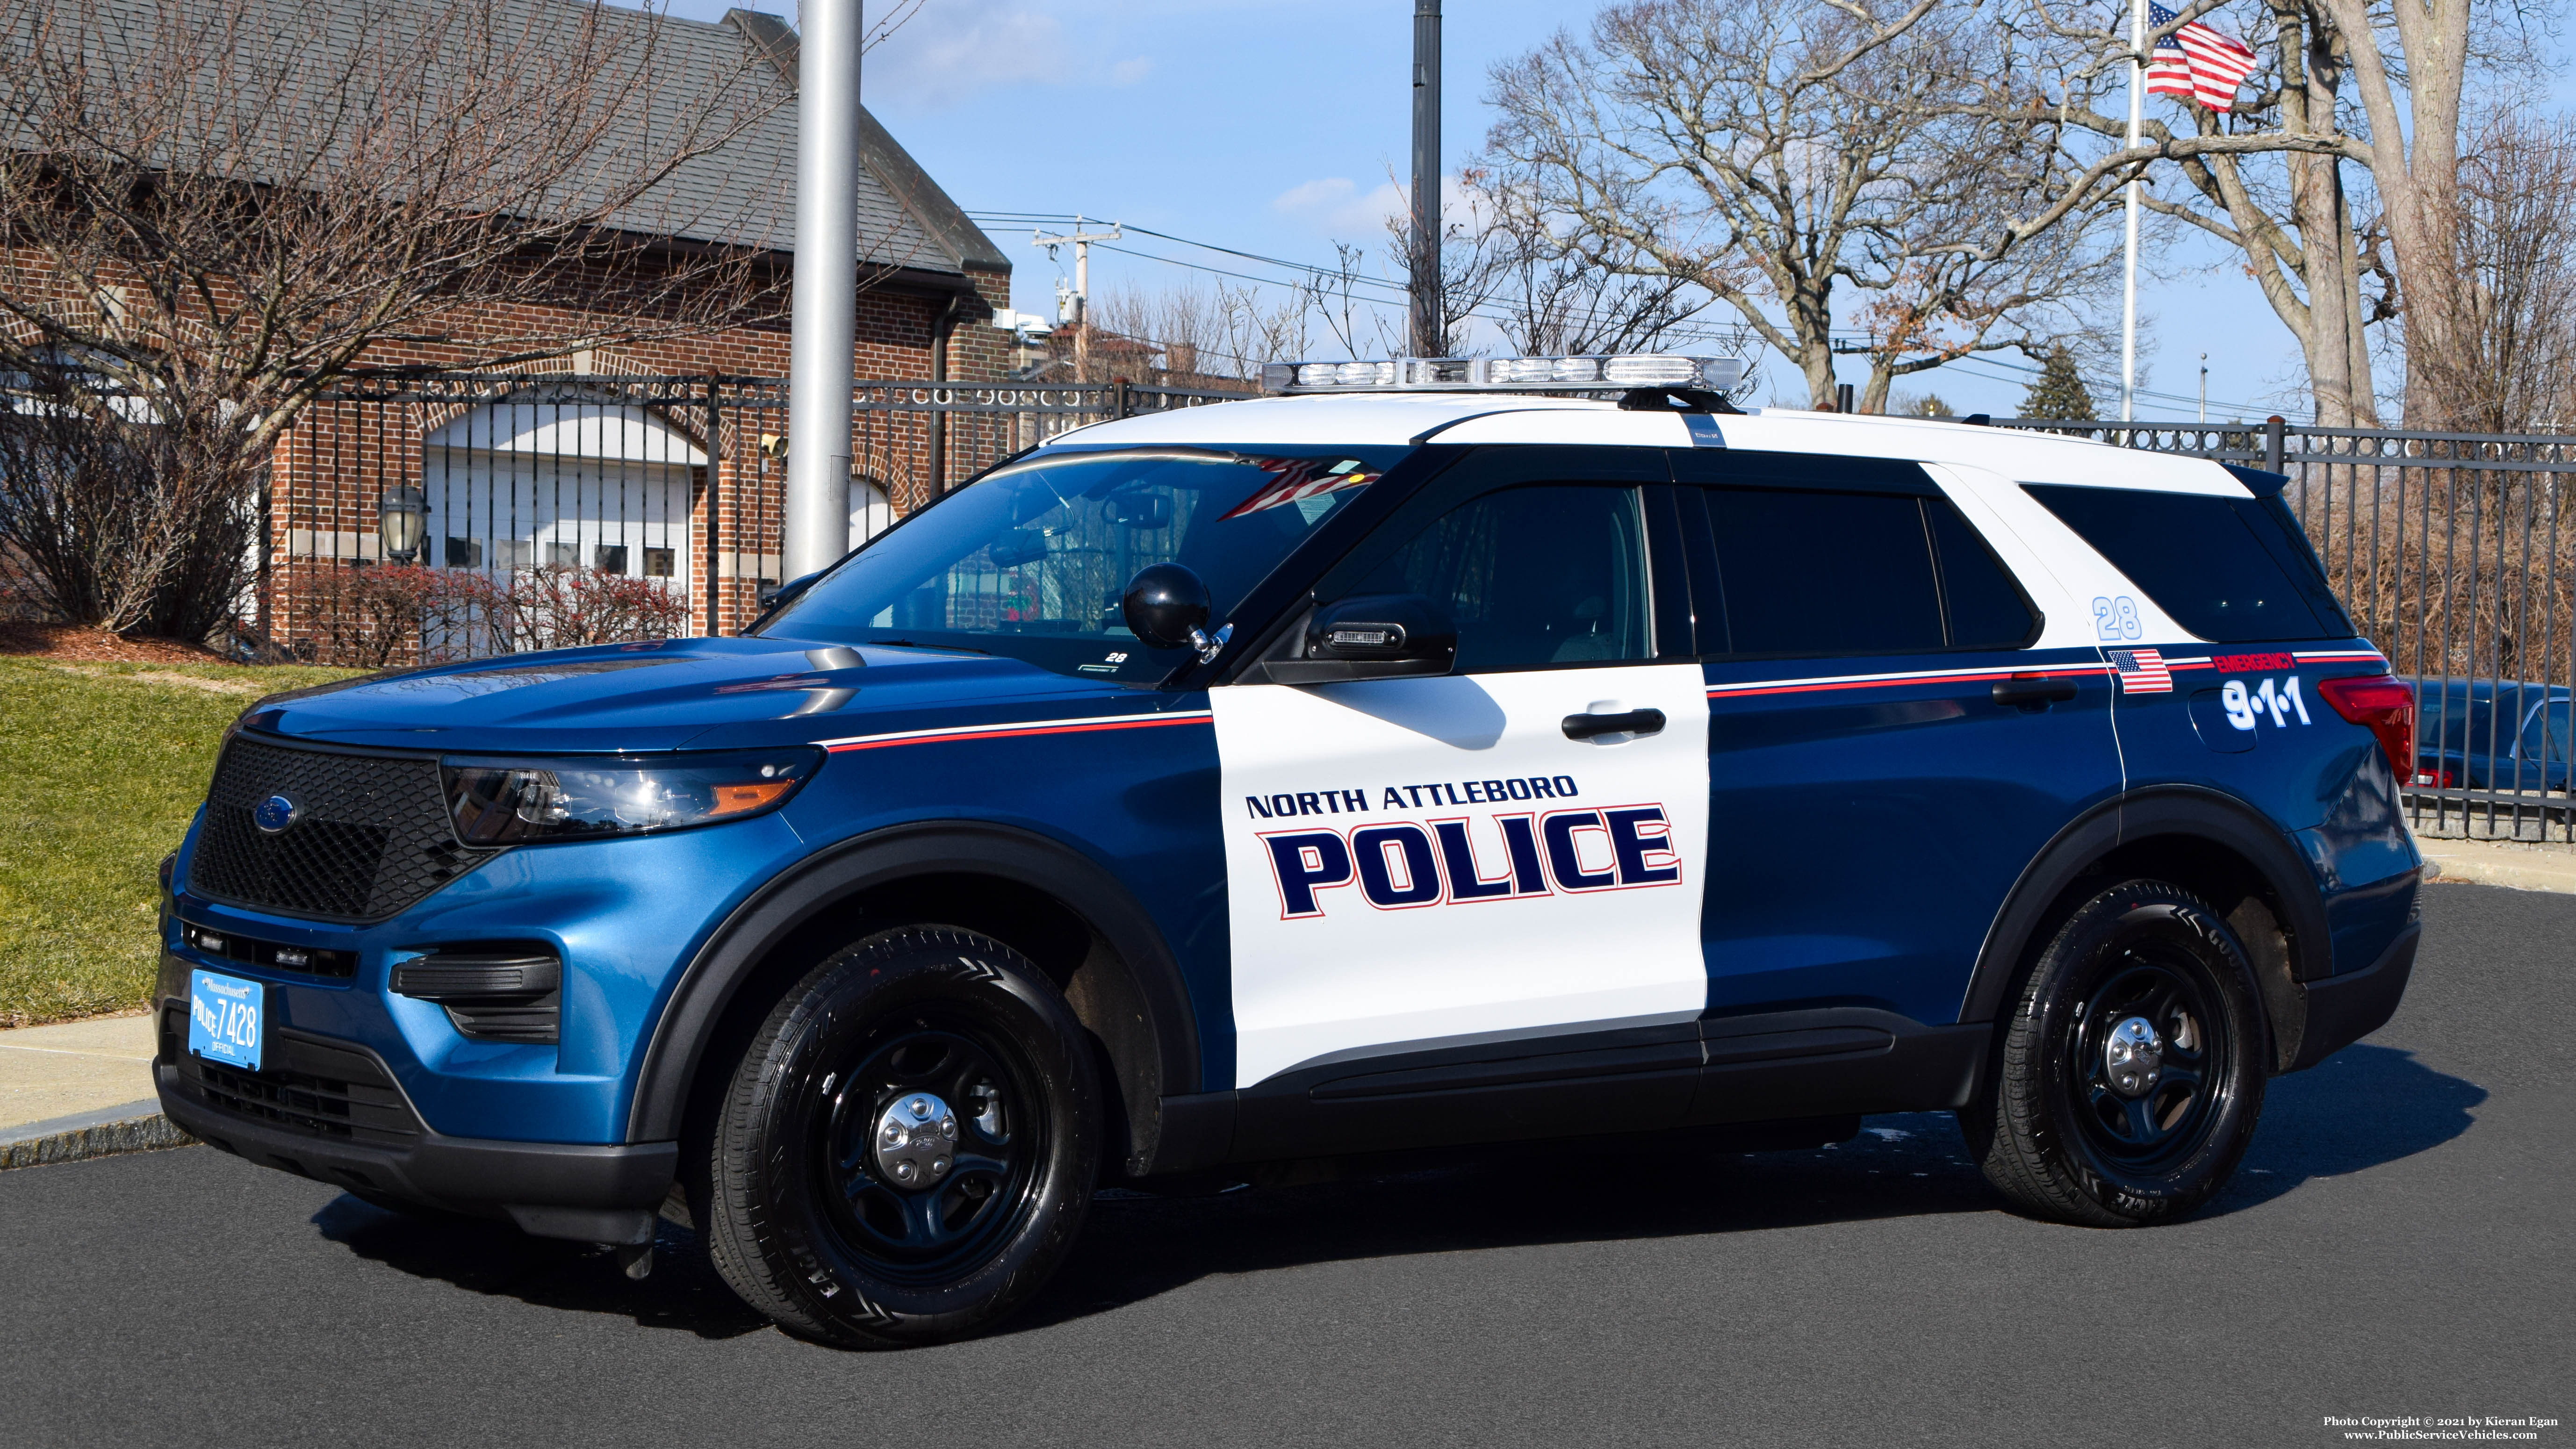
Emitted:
<point x="2456" y="554"/>
<point x="457" y="516"/>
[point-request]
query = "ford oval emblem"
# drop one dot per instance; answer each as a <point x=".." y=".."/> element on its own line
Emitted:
<point x="276" y="813"/>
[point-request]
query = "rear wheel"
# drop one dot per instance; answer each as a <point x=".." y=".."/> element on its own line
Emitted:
<point x="2131" y="1072"/>
<point x="907" y="1147"/>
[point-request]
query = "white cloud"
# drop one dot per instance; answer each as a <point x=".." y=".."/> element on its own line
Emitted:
<point x="1128" y="72"/>
<point x="955" y="51"/>
<point x="1334" y="206"/>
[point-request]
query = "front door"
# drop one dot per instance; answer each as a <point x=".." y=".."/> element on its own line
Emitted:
<point x="1416" y="866"/>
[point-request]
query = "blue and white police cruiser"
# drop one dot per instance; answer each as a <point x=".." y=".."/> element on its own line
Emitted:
<point x="1404" y="761"/>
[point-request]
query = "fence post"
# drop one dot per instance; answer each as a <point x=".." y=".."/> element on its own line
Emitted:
<point x="1120" y="405"/>
<point x="2272" y="427"/>
<point x="715" y="487"/>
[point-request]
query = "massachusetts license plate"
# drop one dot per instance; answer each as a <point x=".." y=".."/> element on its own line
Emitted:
<point x="226" y="1017"/>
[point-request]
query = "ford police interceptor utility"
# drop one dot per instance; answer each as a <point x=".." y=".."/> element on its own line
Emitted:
<point x="1417" y="763"/>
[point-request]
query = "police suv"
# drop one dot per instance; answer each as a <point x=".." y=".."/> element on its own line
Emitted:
<point x="1401" y="762"/>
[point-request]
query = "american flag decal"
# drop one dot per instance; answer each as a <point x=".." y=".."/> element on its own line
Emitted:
<point x="1293" y="479"/>
<point x="2142" y="671"/>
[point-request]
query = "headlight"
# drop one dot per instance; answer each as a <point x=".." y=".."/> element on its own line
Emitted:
<point x="502" y="802"/>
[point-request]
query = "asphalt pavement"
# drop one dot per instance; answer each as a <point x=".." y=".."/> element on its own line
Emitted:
<point x="2399" y="1243"/>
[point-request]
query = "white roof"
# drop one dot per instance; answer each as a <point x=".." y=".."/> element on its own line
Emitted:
<point x="1363" y="419"/>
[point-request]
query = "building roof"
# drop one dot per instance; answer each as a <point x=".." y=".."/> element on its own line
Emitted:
<point x="743" y="193"/>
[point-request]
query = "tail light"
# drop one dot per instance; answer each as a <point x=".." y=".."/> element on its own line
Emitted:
<point x="2439" y="779"/>
<point x="2386" y="704"/>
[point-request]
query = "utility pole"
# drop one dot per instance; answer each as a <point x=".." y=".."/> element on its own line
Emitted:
<point x="2204" y="387"/>
<point x="1426" y="330"/>
<point x="1082" y="241"/>
<point x="825" y="311"/>
<point x="2129" y="282"/>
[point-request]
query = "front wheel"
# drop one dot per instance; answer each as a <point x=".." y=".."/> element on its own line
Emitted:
<point x="2131" y="1072"/>
<point x="907" y="1146"/>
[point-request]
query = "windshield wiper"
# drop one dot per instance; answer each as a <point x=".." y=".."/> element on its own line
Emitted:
<point x="940" y="648"/>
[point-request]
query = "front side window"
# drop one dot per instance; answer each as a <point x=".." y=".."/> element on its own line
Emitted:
<point x="1535" y="577"/>
<point x="1029" y="562"/>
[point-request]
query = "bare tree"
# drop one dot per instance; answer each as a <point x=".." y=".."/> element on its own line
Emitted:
<point x="2288" y="213"/>
<point x="1222" y="334"/>
<point x="2515" y="365"/>
<point x="214" y="207"/>
<point x="1774" y="156"/>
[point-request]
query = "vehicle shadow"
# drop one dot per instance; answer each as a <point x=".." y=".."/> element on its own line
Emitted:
<point x="2360" y="1108"/>
<point x="2364" y="1107"/>
<point x="496" y="1258"/>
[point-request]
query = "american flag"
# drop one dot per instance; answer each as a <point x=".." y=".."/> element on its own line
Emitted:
<point x="2142" y="671"/>
<point x="2196" y="62"/>
<point x="1292" y="479"/>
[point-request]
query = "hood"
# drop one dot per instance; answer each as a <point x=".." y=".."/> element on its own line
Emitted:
<point x="666" y="695"/>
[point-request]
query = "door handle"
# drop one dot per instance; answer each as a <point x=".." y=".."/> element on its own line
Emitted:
<point x="1629" y="722"/>
<point x="2033" y="691"/>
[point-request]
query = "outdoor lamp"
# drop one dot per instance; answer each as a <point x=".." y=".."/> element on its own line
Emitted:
<point x="401" y="517"/>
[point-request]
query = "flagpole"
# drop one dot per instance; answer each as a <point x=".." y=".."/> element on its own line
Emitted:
<point x="2129" y="285"/>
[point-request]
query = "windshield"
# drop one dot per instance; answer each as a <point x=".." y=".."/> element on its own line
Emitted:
<point x="1029" y="562"/>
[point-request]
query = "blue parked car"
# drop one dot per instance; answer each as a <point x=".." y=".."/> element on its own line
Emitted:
<point x="1323" y="776"/>
<point x="2489" y="734"/>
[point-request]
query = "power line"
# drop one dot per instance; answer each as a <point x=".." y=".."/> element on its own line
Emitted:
<point x="1389" y="295"/>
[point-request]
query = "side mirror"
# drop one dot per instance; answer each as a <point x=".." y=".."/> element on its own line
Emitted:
<point x="1166" y="606"/>
<point x="1371" y="636"/>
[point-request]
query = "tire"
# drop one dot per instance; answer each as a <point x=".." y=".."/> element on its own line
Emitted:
<point x="2075" y="1126"/>
<point x="964" y="1045"/>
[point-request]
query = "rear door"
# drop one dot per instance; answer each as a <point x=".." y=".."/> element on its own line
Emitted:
<point x="1452" y="864"/>
<point x="1872" y="801"/>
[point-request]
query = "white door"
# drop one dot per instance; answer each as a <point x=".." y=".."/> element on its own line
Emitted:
<point x="1414" y="863"/>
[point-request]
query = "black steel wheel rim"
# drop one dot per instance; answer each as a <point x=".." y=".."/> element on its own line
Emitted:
<point x="2168" y="987"/>
<point x="932" y="1232"/>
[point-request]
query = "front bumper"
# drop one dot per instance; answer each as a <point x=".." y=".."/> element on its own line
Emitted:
<point x="331" y="1111"/>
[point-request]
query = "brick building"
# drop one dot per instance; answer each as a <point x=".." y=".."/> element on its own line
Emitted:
<point x="655" y="464"/>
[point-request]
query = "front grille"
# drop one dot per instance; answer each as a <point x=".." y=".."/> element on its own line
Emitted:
<point x="370" y="837"/>
<point x="309" y="1084"/>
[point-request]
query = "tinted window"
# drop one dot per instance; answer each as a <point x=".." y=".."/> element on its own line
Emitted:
<point x="1824" y="573"/>
<point x="1984" y="608"/>
<point x="1534" y="576"/>
<point x="2222" y="567"/>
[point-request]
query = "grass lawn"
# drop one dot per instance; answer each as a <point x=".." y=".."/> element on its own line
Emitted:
<point x="101" y="768"/>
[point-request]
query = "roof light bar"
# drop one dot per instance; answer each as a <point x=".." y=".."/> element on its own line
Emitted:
<point x="1506" y="374"/>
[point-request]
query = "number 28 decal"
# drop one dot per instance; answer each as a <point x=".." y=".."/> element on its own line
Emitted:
<point x="2117" y="618"/>
<point x="2246" y="707"/>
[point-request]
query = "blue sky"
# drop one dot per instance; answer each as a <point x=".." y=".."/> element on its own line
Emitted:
<point x="1274" y="127"/>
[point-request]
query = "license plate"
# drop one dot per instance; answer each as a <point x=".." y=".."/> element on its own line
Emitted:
<point x="226" y="1017"/>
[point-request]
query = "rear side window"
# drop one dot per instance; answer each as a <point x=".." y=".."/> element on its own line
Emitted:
<point x="1856" y="573"/>
<point x="2231" y="570"/>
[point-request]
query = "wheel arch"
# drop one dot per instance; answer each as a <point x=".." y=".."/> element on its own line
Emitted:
<point x="1043" y="898"/>
<point x="2210" y="843"/>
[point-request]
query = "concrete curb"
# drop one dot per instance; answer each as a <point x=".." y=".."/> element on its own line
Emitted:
<point x="2515" y="867"/>
<point x="134" y="1127"/>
